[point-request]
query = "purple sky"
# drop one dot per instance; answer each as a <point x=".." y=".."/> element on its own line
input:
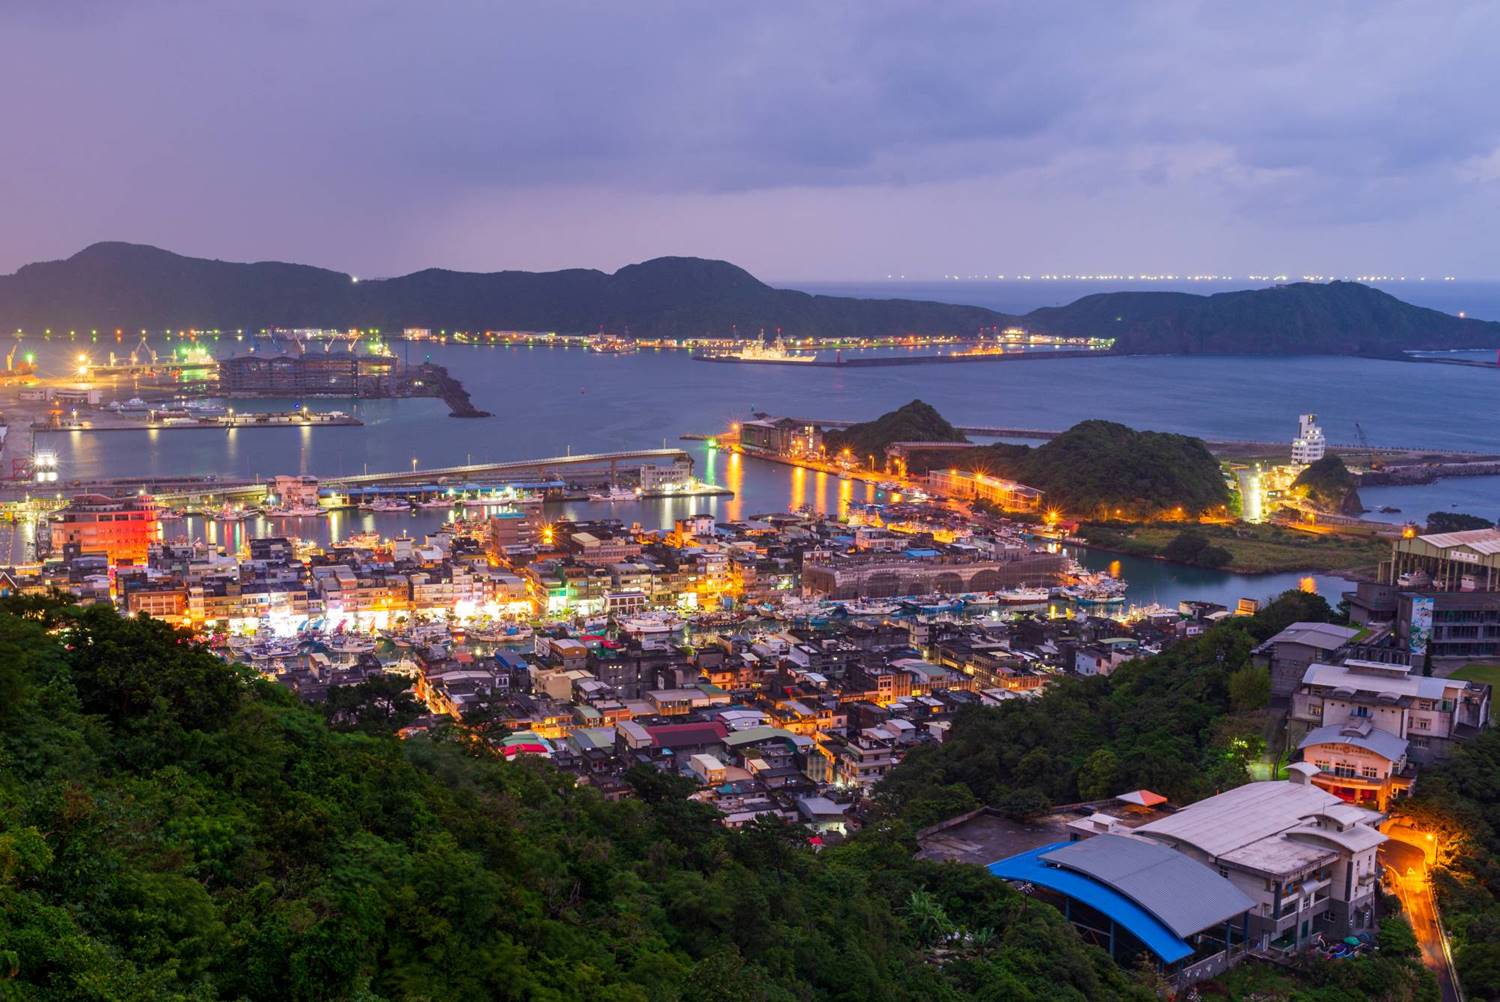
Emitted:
<point x="813" y="140"/>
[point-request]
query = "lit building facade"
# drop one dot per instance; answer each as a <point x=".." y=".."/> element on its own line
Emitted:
<point x="122" y="529"/>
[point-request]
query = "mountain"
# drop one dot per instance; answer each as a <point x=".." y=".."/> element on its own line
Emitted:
<point x="1338" y="318"/>
<point x="111" y="285"/>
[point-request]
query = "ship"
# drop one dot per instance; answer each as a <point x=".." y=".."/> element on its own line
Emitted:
<point x="774" y="353"/>
<point x="386" y="504"/>
<point x="615" y="493"/>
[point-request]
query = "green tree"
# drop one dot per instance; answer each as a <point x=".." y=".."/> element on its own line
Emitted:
<point x="1250" y="688"/>
<point x="1098" y="776"/>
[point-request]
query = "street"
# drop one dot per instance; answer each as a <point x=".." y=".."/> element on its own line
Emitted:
<point x="1406" y="864"/>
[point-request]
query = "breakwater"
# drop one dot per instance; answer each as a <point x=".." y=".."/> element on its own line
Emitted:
<point x="885" y="361"/>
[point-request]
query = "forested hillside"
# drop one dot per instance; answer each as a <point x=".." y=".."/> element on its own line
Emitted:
<point x="172" y="828"/>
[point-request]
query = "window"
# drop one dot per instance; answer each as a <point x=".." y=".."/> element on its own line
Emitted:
<point x="1422" y="724"/>
<point x="1417" y="741"/>
<point x="1369" y="772"/>
<point x="1360" y="711"/>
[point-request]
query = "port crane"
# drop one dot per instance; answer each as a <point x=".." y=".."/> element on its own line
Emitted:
<point x="135" y="353"/>
<point x="1364" y="443"/>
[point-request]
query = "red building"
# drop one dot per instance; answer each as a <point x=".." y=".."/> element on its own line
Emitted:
<point x="120" y="528"/>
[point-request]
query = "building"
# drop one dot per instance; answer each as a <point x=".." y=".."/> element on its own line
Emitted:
<point x="1132" y="896"/>
<point x="969" y="485"/>
<point x="1301" y="854"/>
<point x="1428" y="714"/>
<point x="122" y="529"/>
<point x="1440" y="593"/>
<point x="1287" y="655"/>
<point x="1359" y="762"/>
<point x="778" y="435"/>
<point x="1309" y="445"/>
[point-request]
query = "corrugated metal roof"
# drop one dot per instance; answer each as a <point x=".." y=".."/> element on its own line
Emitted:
<point x="1141" y="924"/>
<point x="1184" y="894"/>
<point x="1241" y="816"/>
<point x="1486" y="541"/>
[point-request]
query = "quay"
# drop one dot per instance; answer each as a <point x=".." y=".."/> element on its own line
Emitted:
<point x="839" y="362"/>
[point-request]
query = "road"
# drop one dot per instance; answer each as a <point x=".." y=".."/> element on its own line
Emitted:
<point x="1407" y="866"/>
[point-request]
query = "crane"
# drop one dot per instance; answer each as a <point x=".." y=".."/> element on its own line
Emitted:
<point x="1364" y="443"/>
<point x="10" y="359"/>
<point x="135" y="353"/>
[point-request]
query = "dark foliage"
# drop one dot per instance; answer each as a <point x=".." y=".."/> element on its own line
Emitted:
<point x="914" y="422"/>
<point x="1099" y="468"/>
<point x="1453" y="521"/>
<point x="173" y="829"/>
<point x="1329" y="485"/>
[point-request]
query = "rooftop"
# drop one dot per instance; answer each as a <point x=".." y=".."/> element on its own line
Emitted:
<point x="1360" y="734"/>
<point x="1242" y="816"/>
<point x="1182" y="893"/>
<point x="1323" y="636"/>
<point x="1485" y="541"/>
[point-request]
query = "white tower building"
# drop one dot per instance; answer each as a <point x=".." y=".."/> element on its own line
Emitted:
<point x="1307" y="447"/>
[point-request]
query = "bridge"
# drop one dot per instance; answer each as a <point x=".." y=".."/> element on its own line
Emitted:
<point x="478" y="472"/>
<point x="177" y="490"/>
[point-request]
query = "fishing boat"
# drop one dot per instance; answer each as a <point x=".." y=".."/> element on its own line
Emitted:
<point x="436" y="503"/>
<point x="386" y="505"/>
<point x="867" y="608"/>
<point x="349" y="643"/>
<point x="295" y="511"/>
<point x="1023" y="596"/>
<point x="614" y="494"/>
<point x="230" y="514"/>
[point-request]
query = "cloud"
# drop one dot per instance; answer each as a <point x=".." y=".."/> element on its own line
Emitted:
<point x="347" y="130"/>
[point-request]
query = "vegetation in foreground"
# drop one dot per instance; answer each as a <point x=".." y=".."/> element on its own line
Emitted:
<point x="1241" y="547"/>
<point x="1186" y="723"/>
<point x="173" y="828"/>
<point x="1459" y="799"/>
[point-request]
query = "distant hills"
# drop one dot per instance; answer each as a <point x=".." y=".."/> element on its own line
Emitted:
<point x="111" y="285"/>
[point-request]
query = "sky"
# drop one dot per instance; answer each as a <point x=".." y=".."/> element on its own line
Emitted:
<point x="803" y="140"/>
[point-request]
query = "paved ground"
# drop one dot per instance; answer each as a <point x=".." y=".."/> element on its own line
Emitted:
<point x="985" y="838"/>
<point x="1407" y="866"/>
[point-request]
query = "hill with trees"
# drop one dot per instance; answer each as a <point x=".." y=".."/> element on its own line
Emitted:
<point x="1100" y="469"/>
<point x="174" y="828"/>
<point x="1333" y="318"/>
<point x="913" y="422"/>
<point x="111" y="285"/>
<point x="1330" y="486"/>
<point x="120" y="285"/>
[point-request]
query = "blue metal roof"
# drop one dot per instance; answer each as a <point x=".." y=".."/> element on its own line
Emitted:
<point x="1140" y="923"/>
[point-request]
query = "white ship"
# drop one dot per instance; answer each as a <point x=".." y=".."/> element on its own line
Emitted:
<point x="295" y="511"/>
<point x="761" y="351"/>
<point x="436" y="503"/>
<point x="386" y="504"/>
<point x="615" y="493"/>
<point x="1024" y="596"/>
